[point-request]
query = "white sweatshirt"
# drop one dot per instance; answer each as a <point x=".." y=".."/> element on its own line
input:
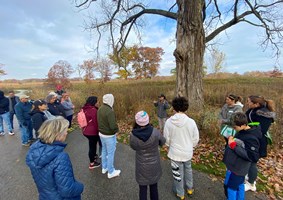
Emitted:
<point x="181" y="135"/>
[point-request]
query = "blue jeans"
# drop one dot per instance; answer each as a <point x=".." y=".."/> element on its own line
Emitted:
<point x="108" y="152"/>
<point x="234" y="187"/>
<point x="6" y="118"/>
<point x="26" y="132"/>
<point x="182" y="175"/>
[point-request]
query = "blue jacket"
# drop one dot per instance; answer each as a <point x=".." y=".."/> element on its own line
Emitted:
<point x="23" y="112"/>
<point x="52" y="172"/>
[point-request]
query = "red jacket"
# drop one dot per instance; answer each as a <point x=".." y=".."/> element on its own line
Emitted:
<point x="91" y="116"/>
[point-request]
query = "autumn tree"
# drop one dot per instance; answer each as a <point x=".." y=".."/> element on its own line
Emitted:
<point x="103" y="67"/>
<point x="198" y="23"/>
<point x="60" y="73"/>
<point x="2" y="71"/>
<point x="88" y="67"/>
<point x="122" y="61"/>
<point x="146" y="62"/>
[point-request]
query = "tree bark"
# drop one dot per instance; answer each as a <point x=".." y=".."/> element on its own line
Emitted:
<point x="189" y="52"/>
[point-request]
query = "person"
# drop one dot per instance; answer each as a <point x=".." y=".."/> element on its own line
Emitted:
<point x="50" y="166"/>
<point x="38" y="115"/>
<point x="5" y="114"/>
<point x="59" y="90"/>
<point x="13" y="100"/>
<point x="145" y="140"/>
<point x="23" y="109"/>
<point x="162" y="105"/>
<point x="225" y="114"/>
<point x="68" y="107"/>
<point x="91" y="130"/>
<point x="54" y="106"/>
<point x="242" y="150"/>
<point x="262" y="111"/>
<point x="108" y="128"/>
<point x="182" y="136"/>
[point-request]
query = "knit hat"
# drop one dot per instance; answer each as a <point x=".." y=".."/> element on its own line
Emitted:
<point x="142" y="118"/>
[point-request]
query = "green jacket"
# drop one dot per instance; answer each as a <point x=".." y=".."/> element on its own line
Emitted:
<point x="106" y="120"/>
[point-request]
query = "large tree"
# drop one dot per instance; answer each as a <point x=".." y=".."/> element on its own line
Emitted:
<point x="198" y="23"/>
<point x="88" y="67"/>
<point x="60" y="73"/>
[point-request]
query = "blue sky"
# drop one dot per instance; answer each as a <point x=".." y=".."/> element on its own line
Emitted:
<point x="36" y="33"/>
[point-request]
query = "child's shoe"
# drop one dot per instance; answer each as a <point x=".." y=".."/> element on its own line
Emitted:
<point x="180" y="197"/>
<point x="249" y="186"/>
<point x="190" y="192"/>
<point x="115" y="173"/>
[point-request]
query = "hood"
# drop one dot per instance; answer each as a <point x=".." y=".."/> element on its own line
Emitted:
<point x="1" y="94"/>
<point x="264" y="112"/>
<point x="41" y="154"/>
<point x="179" y="119"/>
<point x="143" y="133"/>
<point x="108" y="99"/>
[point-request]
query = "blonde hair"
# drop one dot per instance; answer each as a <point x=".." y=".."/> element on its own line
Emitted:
<point x="51" y="129"/>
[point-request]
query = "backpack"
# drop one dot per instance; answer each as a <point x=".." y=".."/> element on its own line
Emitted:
<point x="82" y="119"/>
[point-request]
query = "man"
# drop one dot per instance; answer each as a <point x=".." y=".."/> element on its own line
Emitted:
<point x="22" y="110"/>
<point x="182" y="136"/>
<point x="13" y="100"/>
<point x="162" y="105"/>
<point x="108" y="128"/>
<point x="5" y="114"/>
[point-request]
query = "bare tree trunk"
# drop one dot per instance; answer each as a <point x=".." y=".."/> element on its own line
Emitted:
<point x="189" y="52"/>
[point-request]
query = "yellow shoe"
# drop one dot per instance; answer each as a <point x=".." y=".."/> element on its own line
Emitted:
<point x="182" y="198"/>
<point x="190" y="192"/>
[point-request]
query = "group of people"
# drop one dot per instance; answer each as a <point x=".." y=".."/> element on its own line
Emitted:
<point x="246" y="135"/>
<point x="31" y="114"/>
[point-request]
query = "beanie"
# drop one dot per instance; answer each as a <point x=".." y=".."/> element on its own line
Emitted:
<point x="142" y="118"/>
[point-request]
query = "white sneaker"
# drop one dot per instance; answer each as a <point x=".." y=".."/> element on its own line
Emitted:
<point x="249" y="186"/>
<point x="2" y="133"/>
<point x="104" y="171"/>
<point x="115" y="173"/>
<point x="246" y="178"/>
<point x="11" y="133"/>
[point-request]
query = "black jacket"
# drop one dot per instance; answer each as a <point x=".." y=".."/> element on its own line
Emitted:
<point x="4" y="103"/>
<point x="251" y="138"/>
<point x="37" y="118"/>
<point x="56" y="109"/>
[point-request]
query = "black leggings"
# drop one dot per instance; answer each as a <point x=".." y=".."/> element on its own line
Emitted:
<point x="70" y="118"/>
<point x="153" y="192"/>
<point x="92" y="142"/>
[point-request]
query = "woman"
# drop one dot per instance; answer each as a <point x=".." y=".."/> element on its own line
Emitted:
<point x="226" y="113"/>
<point x="91" y="130"/>
<point x="54" y="107"/>
<point x="68" y="107"/>
<point x="261" y="111"/>
<point x="38" y="115"/>
<point x="50" y="166"/>
<point x="145" y="140"/>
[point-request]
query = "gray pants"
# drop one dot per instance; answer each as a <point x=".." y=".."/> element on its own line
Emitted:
<point x="182" y="173"/>
<point x="161" y="122"/>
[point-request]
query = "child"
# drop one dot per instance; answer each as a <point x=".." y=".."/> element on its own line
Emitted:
<point x="182" y="136"/>
<point x="145" y="141"/>
<point x="240" y="152"/>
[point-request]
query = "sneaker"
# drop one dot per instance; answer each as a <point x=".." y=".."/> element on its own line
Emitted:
<point x="2" y="133"/>
<point x="180" y="197"/>
<point x="26" y="144"/>
<point x="11" y="133"/>
<point x="115" y="173"/>
<point x="104" y="171"/>
<point x="94" y="165"/>
<point x="249" y="186"/>
<point x="190" y="192"/>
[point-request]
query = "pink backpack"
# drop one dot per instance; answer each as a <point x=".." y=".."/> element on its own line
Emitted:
<point x="82" y="119"/>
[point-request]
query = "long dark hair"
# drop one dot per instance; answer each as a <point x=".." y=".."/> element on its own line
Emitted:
<point x="269" y="104"/>
<point x="91" y="100"/>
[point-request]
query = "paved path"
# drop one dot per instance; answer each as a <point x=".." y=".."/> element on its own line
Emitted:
<point x="16" y="182"/>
